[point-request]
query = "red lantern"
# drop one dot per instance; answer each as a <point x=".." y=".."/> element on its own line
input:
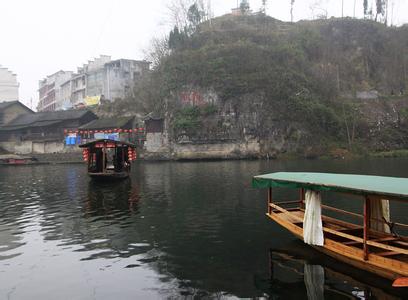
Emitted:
<point x="126" y="130"/>
<point x="90" y="131"/>
<point x="65" y="131"/>
<point x="110" y="131"/>
<point x="85" y="154"/>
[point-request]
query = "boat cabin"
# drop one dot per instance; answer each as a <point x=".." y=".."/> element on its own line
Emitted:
<point x="108" y="158"/>
<point x="370" y="240"/>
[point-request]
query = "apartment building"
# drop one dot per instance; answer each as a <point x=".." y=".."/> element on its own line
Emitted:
<point x="50" y="95"/>
<point x="101" y="78"/>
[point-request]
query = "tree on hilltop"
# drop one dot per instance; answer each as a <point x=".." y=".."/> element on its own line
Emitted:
<point x="244" y="7"/>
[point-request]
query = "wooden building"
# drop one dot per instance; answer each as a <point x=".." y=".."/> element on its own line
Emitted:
<point x="154" y="125"/>
<point x="44" y="125"/>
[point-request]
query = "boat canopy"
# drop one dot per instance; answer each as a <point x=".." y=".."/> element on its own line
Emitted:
<point x="393" y="187"/>
<point x="110" y="143"/>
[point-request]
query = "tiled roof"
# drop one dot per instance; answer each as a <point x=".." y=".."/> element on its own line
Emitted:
<point x="44" y="118"/>
<point x="4" y="105"/>
<point x="107" y="123"/>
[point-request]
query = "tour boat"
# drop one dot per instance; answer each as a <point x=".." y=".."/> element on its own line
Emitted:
<point x="108" y="159"/>
<point x="372" y="243"/>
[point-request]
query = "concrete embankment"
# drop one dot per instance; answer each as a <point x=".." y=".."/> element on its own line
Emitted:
<point x="59" y="158"/>
<point x="40" y="159"/>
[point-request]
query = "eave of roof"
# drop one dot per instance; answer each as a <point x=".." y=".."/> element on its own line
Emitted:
<point x="35" y="124"/>
<point x="118" y="143"/>
<point x="394" y="187"/>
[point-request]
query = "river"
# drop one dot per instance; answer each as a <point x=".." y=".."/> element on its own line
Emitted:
<point x="174" y="229"/>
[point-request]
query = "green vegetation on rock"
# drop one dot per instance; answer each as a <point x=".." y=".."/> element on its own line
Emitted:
<point x="292" y="86"/>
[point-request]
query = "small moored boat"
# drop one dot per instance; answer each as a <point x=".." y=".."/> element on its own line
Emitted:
<point x="108" y="159"/>
<point x="372" y="243"/>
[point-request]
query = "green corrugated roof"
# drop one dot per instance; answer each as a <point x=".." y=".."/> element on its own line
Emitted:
<point x="348" y="183"/>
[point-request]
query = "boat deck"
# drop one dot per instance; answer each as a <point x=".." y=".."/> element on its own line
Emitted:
<point x="347" y="238"/>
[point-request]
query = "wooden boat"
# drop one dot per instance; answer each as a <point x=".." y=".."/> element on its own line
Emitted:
<point x="12" y="160"/>
<point x="108" y="159"/>
<point x="371" y="243"/>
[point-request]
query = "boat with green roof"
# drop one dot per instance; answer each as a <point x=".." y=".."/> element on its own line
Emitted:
<point x="371" y="242"/>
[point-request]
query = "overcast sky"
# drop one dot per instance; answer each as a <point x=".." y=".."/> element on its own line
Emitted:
<point x="41" y="37"/>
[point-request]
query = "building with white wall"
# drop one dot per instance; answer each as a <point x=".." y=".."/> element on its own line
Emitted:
<point x="8" y="85"/>
<point x="50" y="94"/>
<point x="101" y="78"/>
<point x="120" y="75"/>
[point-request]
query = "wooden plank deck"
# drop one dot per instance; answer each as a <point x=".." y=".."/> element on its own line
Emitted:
<point x="387" y="254"/>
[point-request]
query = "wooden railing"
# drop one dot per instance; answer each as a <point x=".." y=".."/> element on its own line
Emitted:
<point x="376" y="242"/>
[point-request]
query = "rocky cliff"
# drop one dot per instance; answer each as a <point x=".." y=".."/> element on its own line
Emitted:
<point x="262" y="87"/>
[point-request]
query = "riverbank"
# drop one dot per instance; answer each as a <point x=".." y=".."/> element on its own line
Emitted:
<point x="336" y="154"/>
<point x="41" y="159"/>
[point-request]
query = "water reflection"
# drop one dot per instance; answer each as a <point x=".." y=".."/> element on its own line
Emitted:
<point x="112" y="199"/>
<point x="298" y="273"/>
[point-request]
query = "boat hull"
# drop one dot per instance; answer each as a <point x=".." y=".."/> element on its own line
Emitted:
<point x="379" y="265"/>
<point x="108" y="176"/>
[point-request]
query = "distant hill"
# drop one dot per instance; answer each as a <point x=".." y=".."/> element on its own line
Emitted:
<point x="311" y="87"/>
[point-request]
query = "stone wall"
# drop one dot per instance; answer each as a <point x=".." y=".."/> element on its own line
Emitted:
<point x="215" y="151"/>
<point x="25" y="147"/>
<point x="30" y="147"/>
<point x="157" y="146"/>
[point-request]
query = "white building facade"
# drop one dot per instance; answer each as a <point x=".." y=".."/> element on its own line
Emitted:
<point x="101" y="78"/>
<point x="8" y="85"/>
<point x="50" y="94"/>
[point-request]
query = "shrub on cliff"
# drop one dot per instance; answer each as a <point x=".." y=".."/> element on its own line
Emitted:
<point x="303" y="69"/>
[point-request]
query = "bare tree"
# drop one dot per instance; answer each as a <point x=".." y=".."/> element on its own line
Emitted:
<point x="318" y="10"/>
<point x="158" y="49"/>
<point x="179" y="11"/>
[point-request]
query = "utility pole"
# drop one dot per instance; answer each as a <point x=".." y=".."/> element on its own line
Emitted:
<point x="392" y="13"/>
<point x="209" y="12"/>
<point x="291" y="10"/>
<point x="342" y="8"/>
<point x="354" y="10"/>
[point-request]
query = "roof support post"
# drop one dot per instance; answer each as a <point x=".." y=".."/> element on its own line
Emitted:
<point x="366" y="226"/>
<point x="269" y="200"/>
<point x="104" y="157"/>
<point x="301" y="197"/>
